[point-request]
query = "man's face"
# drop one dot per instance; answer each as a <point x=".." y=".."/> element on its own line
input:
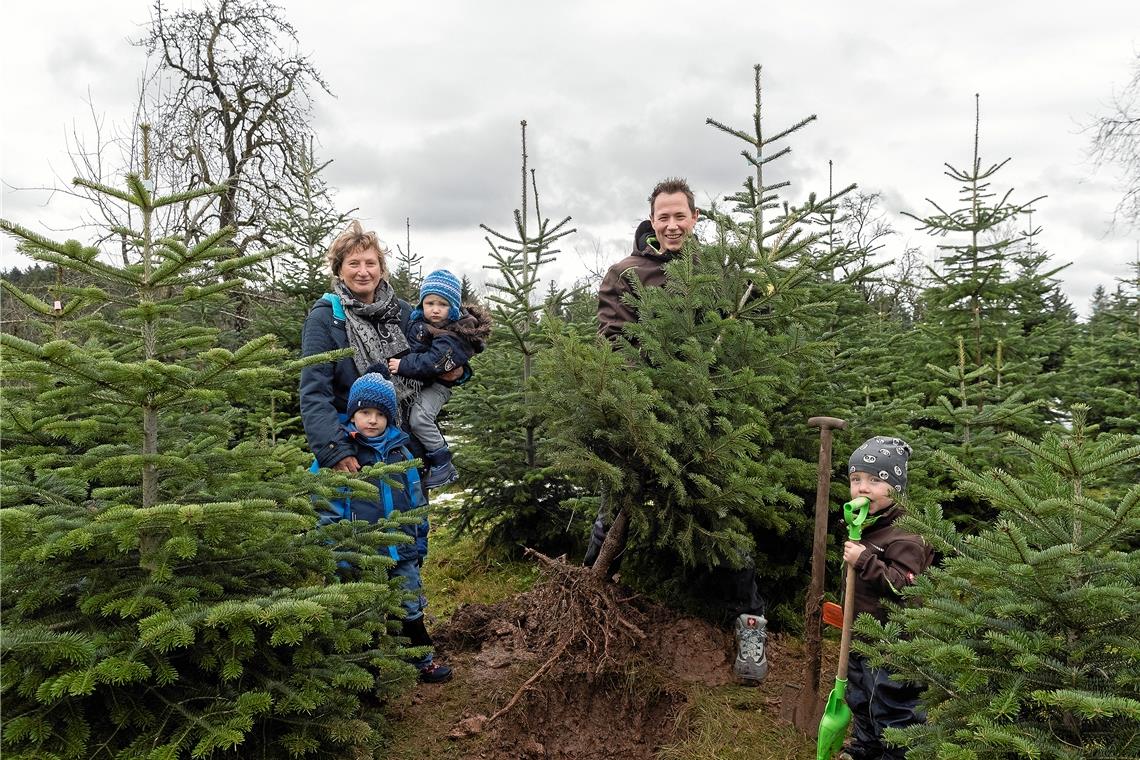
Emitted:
<point x="672" y="220"/>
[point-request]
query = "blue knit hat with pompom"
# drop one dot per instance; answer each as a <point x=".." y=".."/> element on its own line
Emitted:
<point x="373" y="391"/>
<point x="445" y="285"/>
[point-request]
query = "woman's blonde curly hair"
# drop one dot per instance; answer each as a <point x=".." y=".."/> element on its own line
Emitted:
<point x="354" y="238"/>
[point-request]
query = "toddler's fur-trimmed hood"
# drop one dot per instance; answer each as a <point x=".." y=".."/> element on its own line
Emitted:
<point x="473" y="325"/>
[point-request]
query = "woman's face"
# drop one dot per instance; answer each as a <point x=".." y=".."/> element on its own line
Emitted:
<point x="361" y="272"/>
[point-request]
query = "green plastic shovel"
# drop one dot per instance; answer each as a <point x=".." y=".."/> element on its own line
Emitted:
<point x="836" y="714"/>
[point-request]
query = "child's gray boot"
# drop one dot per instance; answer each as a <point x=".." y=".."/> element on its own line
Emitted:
<point x="751" y="661"/>
<point x="442" y="471"/>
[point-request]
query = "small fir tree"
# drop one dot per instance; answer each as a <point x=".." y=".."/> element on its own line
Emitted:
<point x="1025" y="637"/>
<point x="513" y="496"/>
<point x="408" y="273"/>
<point x="164" y="594"/>
<point x="981" y="354"/>
<point x="305" y="217"/>
<point x="971" y="294"/>
<point x="1105" y="355"/>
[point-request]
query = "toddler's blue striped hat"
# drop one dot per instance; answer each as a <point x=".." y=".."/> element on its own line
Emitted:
<point x="444" y="284"/>
<point x="373" y="391"/>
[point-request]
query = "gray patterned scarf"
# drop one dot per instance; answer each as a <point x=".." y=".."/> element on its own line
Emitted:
<point x="374" y="331"/>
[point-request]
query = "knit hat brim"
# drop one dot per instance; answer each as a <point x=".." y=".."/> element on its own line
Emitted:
<point x="373" y="391"/>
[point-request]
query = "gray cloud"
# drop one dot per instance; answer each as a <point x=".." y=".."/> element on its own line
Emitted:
<point x="451" y="177"/>
<point x="429" y="95"/>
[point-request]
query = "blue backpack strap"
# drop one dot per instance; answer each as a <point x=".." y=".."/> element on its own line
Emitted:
<point x="415" y="488"/>
<point x="386" y="496"/>
<point x="343" y="505"/>
<point x="337" y="306"/>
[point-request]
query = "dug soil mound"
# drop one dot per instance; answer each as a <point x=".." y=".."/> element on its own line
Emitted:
<point x="577" y="670"/>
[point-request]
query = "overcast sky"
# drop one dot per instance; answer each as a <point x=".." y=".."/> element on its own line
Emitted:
<point x="427" y="98"/>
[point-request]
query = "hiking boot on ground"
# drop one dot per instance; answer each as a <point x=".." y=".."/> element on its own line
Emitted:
<point x="435" y="673"/>
<point x="751" y="661"/>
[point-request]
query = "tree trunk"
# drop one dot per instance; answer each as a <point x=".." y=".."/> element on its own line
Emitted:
<point x="611" y="547"/>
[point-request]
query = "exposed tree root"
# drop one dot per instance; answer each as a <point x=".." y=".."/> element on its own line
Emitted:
<point x="581" y="619"/>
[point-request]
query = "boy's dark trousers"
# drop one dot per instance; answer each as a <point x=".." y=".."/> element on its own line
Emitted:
<point x="877" y="703"/>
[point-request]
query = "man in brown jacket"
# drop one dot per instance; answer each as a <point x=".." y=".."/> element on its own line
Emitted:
<point x="672" y="215"/>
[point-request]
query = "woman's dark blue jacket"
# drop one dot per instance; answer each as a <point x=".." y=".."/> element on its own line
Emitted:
<point x="325" y="386"/>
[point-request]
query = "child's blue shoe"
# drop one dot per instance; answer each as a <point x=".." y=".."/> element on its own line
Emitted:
<point x="442" y="471"/>
<point x="435" y="673"/>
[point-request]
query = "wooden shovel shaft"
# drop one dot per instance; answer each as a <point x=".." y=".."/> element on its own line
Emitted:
<point x="812" y="605"/>
<point x="848" y="617"/>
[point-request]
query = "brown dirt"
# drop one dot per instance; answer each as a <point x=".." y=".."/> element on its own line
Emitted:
<point x="620" y="689"/>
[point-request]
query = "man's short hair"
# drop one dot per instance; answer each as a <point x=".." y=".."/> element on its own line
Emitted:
<point x="671" y="185"/>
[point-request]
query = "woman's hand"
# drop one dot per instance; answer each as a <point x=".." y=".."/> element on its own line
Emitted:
<point x="852" y="552"/>
<point x="452" y="374"/>
<point x="348" y="464"/>
<point x="393" y="366"/>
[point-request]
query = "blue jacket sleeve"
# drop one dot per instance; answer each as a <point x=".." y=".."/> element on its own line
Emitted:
<point x="323" y="429"/>
<point x="445" y="353"/>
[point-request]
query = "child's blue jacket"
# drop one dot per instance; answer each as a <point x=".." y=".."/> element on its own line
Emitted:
<point x="434" y="351"/>
<point x="390" y="447"/>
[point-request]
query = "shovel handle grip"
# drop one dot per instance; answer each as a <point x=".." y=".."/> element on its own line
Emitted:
<point x="857" y="515"/>
<point x="827" y="422"/>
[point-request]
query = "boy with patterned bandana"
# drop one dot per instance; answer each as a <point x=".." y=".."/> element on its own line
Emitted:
<point x="884" y="561"/>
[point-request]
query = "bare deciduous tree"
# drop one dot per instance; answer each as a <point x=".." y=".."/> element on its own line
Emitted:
<point x="1116" y="141"/>
<point x="233" y="107"/>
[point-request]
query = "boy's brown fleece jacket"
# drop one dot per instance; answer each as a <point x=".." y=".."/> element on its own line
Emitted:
<point x="892" y="561"/>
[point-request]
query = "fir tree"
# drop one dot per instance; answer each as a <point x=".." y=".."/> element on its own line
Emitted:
<point x="408" y="274"/>
<point x="164" y="594"/>
<point x="467" y="291"/>
<point x="305" y="218"/>
<point x="1026" y="634"/>
<point x="971" y="296"/>
<point x="1046" y="317"/>
<point x="981" y="353"/>
<point x="1104" y="358"/>
<point x="513" y="495"/>
<point x="680" y="420"/>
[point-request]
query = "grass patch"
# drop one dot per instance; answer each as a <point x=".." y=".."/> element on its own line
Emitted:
<point x="457" y="571"/>
<point x="734" y="723"/>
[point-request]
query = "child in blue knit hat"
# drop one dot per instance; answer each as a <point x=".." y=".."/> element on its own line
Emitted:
<point x="374" y="437"/>
<point x="442" y="335"/>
